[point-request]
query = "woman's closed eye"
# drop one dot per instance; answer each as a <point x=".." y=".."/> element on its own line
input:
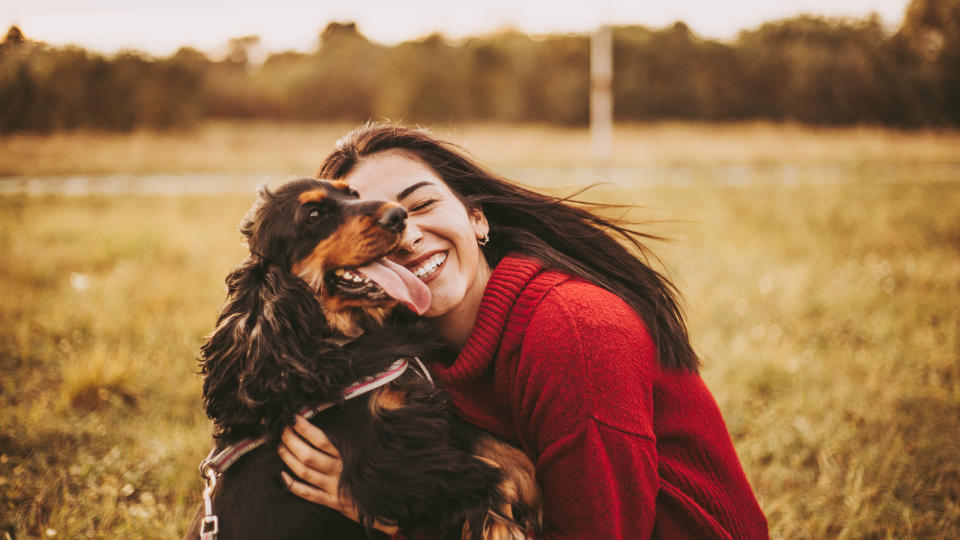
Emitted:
<point x="422" y="206"/>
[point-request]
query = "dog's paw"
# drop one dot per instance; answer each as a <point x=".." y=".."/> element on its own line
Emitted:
<point x="520" y="514"/>
<point x="497" y="526"/>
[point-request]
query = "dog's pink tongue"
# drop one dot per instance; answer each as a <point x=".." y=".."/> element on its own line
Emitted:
<point x="399" y="283"/>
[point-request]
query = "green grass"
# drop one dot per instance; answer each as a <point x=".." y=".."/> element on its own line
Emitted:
<point x="827" y="315"/>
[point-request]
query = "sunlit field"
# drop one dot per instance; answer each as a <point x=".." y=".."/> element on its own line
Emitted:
<point x="289" y="148"/>
<point x="820" y="268"/>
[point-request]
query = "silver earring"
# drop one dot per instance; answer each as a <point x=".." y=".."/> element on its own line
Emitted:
<point x="483" y="239"/>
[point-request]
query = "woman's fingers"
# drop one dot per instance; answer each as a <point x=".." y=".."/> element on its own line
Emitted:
<point x="309" y="492"/>
<point x="310" y="455"/>
<point x="315" y="436"/>
<point x="314" y="460"/>
<point x="309" y="464"/>
<point x="323" y="457"/>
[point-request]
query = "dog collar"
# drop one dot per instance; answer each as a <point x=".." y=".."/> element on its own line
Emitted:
<point x="222" y="460"/>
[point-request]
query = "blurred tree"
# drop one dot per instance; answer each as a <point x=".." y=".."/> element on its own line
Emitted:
<point x="17" y="86"/>
<point x="240" y="49"/>
<point x="673" y="74"/>
<point x="14" y="37"/>
<point x="513" y="77"/>
<point x="495" y="68"/>
<point x="820" y="70"/>
<point x="807" y="69"/>
<point x="931" y="30"/>
<point x="421" y="81"/>
<point x="45" y="89"/>
<point x="558" y="83"/>
<point x="337" y="80"/>
<point x="230" y="87"/>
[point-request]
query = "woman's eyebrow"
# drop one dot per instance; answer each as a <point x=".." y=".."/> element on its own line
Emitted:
<point x="412" y="188"/>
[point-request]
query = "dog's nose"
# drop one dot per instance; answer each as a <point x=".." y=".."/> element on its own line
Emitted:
<point x="394" y="219"/>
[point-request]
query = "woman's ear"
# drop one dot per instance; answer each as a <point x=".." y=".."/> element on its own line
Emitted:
<point x="481" y="228"/>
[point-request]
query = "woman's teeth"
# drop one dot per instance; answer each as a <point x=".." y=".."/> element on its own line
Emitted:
<point x="430" y="265"/>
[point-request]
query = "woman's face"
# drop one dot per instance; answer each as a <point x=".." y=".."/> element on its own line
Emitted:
<point x="440" y="240"/>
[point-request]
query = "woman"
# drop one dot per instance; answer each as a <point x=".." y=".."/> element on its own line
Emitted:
<point x="571" y="348"/>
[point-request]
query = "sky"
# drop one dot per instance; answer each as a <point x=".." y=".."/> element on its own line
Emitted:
<point x="160" y="27"/>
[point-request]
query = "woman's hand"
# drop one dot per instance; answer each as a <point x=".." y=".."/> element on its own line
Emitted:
<point x="312" y="457"/>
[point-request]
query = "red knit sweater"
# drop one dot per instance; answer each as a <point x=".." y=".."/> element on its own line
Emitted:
<point x="623" y="449"/>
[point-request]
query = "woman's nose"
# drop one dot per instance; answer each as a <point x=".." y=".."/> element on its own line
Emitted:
<point x="412" y="236"/>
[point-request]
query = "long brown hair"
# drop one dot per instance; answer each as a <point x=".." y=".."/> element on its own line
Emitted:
<point x="549" y="229"/>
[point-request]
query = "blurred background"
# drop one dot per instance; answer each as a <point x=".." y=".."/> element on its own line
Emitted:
<point x="806" y="68"/>
<point x="802" y="157"/>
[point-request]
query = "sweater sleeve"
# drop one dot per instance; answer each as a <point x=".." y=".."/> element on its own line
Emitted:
<point x="583" y="406"/>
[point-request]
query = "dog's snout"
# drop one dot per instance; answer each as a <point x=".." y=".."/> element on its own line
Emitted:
<point x="394" y="219"/>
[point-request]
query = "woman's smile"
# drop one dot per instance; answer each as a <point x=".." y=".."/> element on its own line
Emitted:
<point x="428" y="268"/>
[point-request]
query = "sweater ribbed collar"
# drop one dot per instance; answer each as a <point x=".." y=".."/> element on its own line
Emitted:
<point x="507" y="281"/>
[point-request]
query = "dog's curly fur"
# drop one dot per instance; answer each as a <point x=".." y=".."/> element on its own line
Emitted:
<point x="406" y="458"/>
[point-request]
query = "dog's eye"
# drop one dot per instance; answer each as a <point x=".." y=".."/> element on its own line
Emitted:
<point x="317" y="214"/>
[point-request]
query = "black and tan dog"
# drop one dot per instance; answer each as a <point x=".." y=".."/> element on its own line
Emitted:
<point x="312" y="311"/>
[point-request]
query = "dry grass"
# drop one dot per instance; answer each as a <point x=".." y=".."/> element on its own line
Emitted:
<point x="288" y="149"/>
<point x="826" y="313"/>
<point x="828" y="319"/>
<point x="212" y="147"/>
<point x="98" y="378"/>
<point x="712" y="144"/>
<point x="100" y="420"/>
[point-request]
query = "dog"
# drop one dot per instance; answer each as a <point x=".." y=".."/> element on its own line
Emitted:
<point x="315" y="312"/>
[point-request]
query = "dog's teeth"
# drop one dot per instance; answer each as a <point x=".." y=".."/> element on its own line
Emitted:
<point x="339" y="272"/>
<point x="350" y="275"/>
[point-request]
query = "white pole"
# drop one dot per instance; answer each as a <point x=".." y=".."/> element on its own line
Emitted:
<point x="601" y="95"/>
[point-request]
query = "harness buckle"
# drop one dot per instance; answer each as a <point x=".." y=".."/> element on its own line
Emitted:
<point x="210" y="525"/>
<point x="209" y="533"/>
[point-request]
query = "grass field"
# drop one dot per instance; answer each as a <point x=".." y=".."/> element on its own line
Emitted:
<point x="827" y="314"/>
<point x="288" y="149"/>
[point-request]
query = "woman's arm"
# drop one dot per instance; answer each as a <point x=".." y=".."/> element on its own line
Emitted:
<point x="582" y="399"/>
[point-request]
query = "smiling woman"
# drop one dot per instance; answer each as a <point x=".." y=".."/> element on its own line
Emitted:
<point x="440" y="242"/>
<point x="570" y="348"/>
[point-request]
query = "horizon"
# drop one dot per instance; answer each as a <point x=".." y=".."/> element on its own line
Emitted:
<point x="111" y="26"/>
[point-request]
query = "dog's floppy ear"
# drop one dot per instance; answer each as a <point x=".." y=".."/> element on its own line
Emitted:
<point x="260" y="364"/>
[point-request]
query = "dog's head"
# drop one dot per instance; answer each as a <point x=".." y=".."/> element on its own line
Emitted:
<point x="317" y="271"/>
<point x="322" y="233"/>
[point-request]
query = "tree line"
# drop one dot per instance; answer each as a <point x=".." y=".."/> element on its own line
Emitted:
<point x="807" y="69"/>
